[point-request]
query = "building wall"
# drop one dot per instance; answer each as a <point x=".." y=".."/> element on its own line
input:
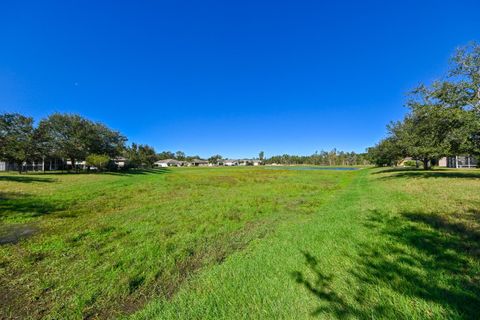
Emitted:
<point x="442" y="162"/>
<point x="462" y="162"/>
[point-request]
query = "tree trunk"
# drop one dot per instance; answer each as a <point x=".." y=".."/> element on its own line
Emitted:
<point x="74" y="167"/>
<point x="426" y="164"/>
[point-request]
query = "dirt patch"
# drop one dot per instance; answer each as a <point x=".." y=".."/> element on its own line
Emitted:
<point x="11" y="234"/>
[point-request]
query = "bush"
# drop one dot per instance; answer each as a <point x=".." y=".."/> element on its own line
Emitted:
<point x="99" y="161"/>
<point x="410" y="163"/>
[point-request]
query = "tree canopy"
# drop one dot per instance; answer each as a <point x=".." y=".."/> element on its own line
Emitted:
<point x="18" y="138"/>
<point x="443" y="118"/>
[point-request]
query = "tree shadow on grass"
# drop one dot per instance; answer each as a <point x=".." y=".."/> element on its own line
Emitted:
<point x="321" y="287"/>
<point x="430" y="256"/>
<point x="25" y="179"/>
<point x="26" y="205"/>
<point x="431" y="259"/>
<point x="332" y="303"/>
<point x="133" y="172"/>
<point x="35" y="176"/>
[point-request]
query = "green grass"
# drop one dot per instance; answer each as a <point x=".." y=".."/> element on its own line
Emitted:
<point x="242" y="243"/>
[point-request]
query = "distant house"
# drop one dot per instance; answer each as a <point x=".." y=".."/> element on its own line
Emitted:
<point x="458" y="162"/>
<point x="120" y="162"/>
<point x="242" y="162"/>
<point x="46" y="164"/>
<point x="168" y="163"/>
<point x="257" y="162"/>
<point x="199" y="163"/>
<point x="78" y="164"/>
<point x="250" y="162"/>
<point x="228" y="162"/>
<point x="7" y="166"/>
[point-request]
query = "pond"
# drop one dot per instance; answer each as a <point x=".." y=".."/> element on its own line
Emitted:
<point x="315" y="168"/>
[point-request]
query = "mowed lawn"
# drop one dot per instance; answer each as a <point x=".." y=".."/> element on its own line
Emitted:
<point x="242" y="243"/>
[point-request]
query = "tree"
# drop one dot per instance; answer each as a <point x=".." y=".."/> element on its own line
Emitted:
<point x="103" y="140"/>
<point x="166" y="155"/>
<point x="100" y="161"/>
<point x="74" y="137"/>
<point x="66" y="135"/>
<point x="180" y="155"/>
<point x="466" y="72"/>
<point x="443" y="118"/>
<point x="141" y="155"/>
<point x="147" y="155"/>
<point x="261" y="155"/>
<point x="385" y="153"/>
<point x="214" y="159"/>
<point x="18" y="139"/>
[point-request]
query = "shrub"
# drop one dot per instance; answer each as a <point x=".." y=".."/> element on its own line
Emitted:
<point x="99" y="161"/>
<point x="410" y="163"/>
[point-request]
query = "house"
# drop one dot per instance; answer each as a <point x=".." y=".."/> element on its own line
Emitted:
<point x="250" y="162"/>
<point x="120" y="162"/>
<point x="78" y="164"/>
<point x="458" y="162"/>
<point x="46" y="164"/>
<point x="228" y="162"/>
<point x="256" y="162"/>
<point x="243" y="162"/>
<point x="199" y="163"/>
<point x="168" y="163"/>
<point x="6" y="166"/>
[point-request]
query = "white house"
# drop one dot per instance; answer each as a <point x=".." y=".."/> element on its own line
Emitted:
<point x="249" y="162"/>
<point x="229" y="162"/>
<point x="120" y="162"/>
<point x="168" y="163"/>
<point x="199" y="163"/>
<point x="256" y="162"/>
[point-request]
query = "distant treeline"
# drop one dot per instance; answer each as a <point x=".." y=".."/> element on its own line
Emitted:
<point x="73" y="139"/>
<point x="443" y="118"/>
<point x="322" y="158"/>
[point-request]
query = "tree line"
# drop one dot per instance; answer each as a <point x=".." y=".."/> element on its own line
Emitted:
<point x="443" y="118"/>
<point x="67" y="137"/>
<point x="323" y="158"/>
<point x="76" y="139"/>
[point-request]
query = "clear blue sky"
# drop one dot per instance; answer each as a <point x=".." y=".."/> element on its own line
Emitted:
<point x="229" y="77"/>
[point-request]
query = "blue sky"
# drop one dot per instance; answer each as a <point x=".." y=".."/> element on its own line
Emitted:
<point x="229" y="77"/>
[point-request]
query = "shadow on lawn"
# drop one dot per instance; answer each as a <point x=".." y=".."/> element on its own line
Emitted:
<point x="133" y="172"/>
<point x="25" y="179"/>
<point x="15" y="204"/>
<point x="36" y="176"/>
<point x="321" y="288"/>
<point x="426" y="256"/>
<point x="420" y="173"/>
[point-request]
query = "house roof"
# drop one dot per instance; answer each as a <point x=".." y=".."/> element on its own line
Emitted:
<point x="168" y="161"/>
<point x="199" y="161"/>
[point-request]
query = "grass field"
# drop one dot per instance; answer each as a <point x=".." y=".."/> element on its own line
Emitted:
<point x="238" y="243"/>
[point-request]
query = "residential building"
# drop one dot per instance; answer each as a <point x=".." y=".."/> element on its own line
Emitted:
<point x="458" y="162"/>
